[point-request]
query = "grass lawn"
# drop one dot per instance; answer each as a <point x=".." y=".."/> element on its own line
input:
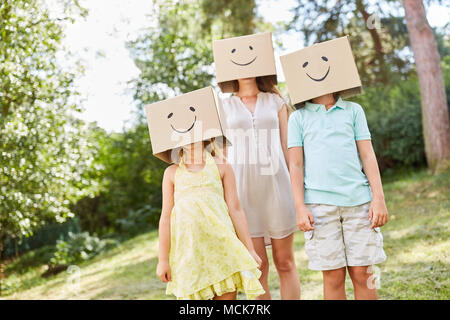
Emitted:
<point x="416" y="241"/>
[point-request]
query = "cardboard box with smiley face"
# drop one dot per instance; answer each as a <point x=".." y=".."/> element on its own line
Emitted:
<point x="326" y="67"/>
<point x="243" y="57"/>
<point x="188" y="118"/>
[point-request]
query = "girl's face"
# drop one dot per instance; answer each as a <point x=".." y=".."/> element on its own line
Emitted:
<point x="247" y="80"/>
<point x="193" y="146"/>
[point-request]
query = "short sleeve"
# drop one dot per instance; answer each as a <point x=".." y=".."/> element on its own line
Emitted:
<point x="279" y="101"/>
<point x="295" y="130"/>
<point x="360" y="127"/>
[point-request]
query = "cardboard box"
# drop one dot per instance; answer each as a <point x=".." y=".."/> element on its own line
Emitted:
<point x="188" y="118"/>
<point x="322" y="68"/>
<point x="243" y="57"/>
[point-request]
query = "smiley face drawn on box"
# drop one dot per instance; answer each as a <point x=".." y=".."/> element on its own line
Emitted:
<point x="322" y="68"/>
<point x="185" y="119"/>
<point x="243" y="57"/>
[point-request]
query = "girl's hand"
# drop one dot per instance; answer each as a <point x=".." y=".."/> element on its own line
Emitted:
<point x="378" y="213"/>
<point x="163" y="271"/>
<point x="305" y="220"/>
<point x="256" y="257"/>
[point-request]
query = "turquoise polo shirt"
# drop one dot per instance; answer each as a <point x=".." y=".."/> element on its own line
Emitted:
<point x="333" y="169"/>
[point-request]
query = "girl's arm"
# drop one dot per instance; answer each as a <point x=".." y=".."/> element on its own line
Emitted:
<point x="163" y="268"/>
<point x="235" y="210"/>
<point x="378" y="213"/>
<point x="283" y="124"/>
<point x="305" y="220"/>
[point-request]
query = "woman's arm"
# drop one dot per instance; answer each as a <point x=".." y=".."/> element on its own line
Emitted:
<point x="378" y="213"/>
<point x="163" y="268"/>
<point x="235" y="210"/>
<point x="283" y="124"/>
<point x="305" y="220"/>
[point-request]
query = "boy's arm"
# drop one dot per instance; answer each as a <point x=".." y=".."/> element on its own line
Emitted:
<point x="163" y="269"/>
<point x="378" y="213"/>
<point x="305" y="220"/>
<point x="235" y="210"/>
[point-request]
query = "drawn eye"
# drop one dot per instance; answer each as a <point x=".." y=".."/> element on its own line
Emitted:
<point x="251" y="48"/>
<point x="233" y="51"/>
<point x="170" y="115"/>
<point x="192" y="109"/>
<point x="305" y="64"/>
<point x="324" y="58"/>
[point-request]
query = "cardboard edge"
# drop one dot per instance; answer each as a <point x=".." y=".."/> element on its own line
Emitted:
<point x="172" y="155"/>
<point x="228" y="86"/>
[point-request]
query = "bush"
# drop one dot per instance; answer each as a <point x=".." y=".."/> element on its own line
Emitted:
<point x="78" y="248"/>
<point x="139" y="220"/>
<point x="46" y="235"/>
<point x="394" y="117"/>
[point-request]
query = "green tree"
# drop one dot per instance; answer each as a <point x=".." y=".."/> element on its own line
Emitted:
<point x="43" y="150"/>
<point x="377" y="33"/>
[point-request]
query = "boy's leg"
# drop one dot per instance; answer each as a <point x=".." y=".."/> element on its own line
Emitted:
<point x="363" y="283"/>
<point x="334" y="284"/>
<point x="363" y="248"/>
<point x="260" y="249"/>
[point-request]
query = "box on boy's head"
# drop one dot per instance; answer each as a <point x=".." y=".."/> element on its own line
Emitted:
<point x="243" y="57"/>
<point x="320" y="69"/>
<point x="185" y="119"/>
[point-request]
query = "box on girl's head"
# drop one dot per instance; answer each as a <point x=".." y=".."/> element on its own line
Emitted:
<point x="243" y="57"/>
<point x="185" y="119"/>
<point x="323" y="68"/>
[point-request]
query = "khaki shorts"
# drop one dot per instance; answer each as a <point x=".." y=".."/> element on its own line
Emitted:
<point x="342" y="237"/>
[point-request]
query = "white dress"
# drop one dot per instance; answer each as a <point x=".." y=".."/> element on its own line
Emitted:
<point x="262" y="176"/>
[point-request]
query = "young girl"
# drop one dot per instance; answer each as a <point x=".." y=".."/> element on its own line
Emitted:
<point x="258" y="116"/>
<point x="339" y="206"/>
<point x="205" y="251"/>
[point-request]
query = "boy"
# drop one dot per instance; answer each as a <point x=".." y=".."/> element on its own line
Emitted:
<point x="339" y="206"/>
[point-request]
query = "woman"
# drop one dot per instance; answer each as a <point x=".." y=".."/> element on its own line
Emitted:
<point x="257" y="119"/>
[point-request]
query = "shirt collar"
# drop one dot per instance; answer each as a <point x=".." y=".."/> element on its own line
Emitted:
<point x="316" y="107"/>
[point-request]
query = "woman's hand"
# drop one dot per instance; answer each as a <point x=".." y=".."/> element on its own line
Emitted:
<point x="305" y="220"/>
<point x="378" y="213"/>
<point x="163" y="271"/>
<point x="256" y="257"/>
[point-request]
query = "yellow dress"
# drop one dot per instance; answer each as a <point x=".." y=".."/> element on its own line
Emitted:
<point x="206" y="257"/>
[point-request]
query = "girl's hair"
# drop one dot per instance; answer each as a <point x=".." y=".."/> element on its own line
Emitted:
<point x="211" y="145"/>
<point x="265" y="84"/>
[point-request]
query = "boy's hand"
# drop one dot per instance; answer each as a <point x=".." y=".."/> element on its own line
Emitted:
<point x="378" y="213"/>
<point x="163" y="271"/>
<point x="305" y="220"/>
<point x="256" y="257"/>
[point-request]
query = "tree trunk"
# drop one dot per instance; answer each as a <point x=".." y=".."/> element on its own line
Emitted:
<point x="435" y="117"/>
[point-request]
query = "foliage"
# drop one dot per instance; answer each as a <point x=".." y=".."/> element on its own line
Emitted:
<point x="377" y="34"/>
<point x="44" y="151"/>
<point x="139" y="220"/>
<point x="78" y="248"/>
<point x="395" y="122"/>
<point x="130" y="179"/>
<point x="46" y="235"/>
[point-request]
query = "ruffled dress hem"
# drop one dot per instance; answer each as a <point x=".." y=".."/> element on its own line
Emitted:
<point x="241" y="281"/>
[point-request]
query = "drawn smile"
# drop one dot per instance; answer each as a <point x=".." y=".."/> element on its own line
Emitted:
<point x="244" y="64"/>
<point x="320" y="79"/>
<point x="184" y="131"/>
